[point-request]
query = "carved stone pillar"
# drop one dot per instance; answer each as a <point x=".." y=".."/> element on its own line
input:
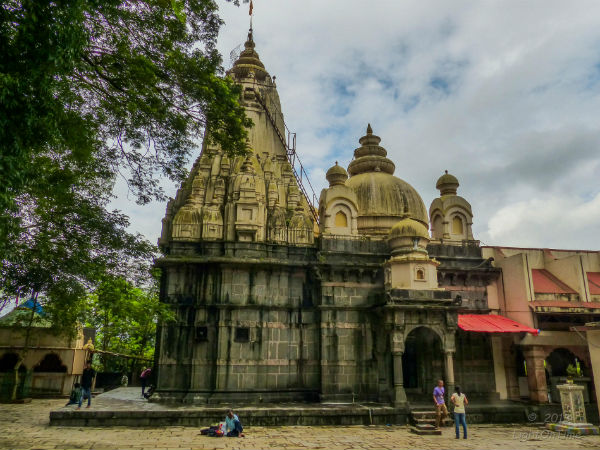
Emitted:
<point x="397" y="346"/>
<point x="510" y="368"/>
<point x="399" y="393"/>
<point x="449" y="350"/>
<point x="449" y="373"/>
<point x="536" y="374"/>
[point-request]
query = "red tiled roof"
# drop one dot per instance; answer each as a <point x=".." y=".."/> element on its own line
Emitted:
<point x="594" y="282"/>
<point x="564" y="304"/>
<point x="491" y="323"/>
<point x="546" y="283"/>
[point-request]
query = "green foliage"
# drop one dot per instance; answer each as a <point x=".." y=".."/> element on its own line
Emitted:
<point x="125" y="318"/>
<point x="92" y="90"/>
<point x="126" y="85"/>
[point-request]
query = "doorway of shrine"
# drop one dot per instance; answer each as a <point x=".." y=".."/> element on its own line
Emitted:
<point x="422" y="364"/>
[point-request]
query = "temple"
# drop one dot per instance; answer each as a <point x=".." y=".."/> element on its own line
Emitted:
<point x="366" y="297"/>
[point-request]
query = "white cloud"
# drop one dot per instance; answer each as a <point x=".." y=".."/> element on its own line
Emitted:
<point x="505" y="95"/>
<point x="538" y="221"/>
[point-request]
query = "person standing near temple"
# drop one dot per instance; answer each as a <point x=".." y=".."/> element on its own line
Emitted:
<point x="87" y="379"/>
<point x="441" y="412"/>
<point x="144" y="376"/>
<point x="459" y="400"/>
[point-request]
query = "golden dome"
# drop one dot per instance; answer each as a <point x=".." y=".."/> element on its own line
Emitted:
<point x="336" y="175"/>
<point x="382" y="198"/>
<point x="408" y="227"/>
<point x="447" y="184"/>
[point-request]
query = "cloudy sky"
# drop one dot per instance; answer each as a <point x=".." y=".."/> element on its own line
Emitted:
<point x="504" y="95"/>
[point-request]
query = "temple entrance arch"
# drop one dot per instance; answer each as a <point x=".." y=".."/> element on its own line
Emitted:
<point x="422" y="363"/>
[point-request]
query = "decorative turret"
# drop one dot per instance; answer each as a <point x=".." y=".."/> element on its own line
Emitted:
<point x="410" y="266"/>
<point x="408" y="236"/>
<point x="336" y="175"/>
<point x="447" y="184"/>
<point x="450" y="214"/>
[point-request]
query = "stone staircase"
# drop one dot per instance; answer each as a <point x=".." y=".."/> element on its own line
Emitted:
<point x="424" y="422"/>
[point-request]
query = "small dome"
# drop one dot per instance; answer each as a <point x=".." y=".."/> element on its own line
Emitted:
<point x="447" y="184"/>
<point x="408" y="227"/>
<point x="336" y="175"/>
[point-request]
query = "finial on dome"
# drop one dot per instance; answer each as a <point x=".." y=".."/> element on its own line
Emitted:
<point x="250" y="42"/>
<point x="447" y="184"/>
<point x="446" y="170"/>
<point x="369" y="129"/>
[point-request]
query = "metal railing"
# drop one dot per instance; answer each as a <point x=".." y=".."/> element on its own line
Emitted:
<point x="297" y="168"/>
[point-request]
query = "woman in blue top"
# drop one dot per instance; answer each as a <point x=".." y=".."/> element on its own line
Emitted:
<point x="233" y="426"/>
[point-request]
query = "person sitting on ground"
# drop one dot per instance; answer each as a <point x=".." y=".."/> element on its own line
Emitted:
<point x="233" y="426"/>
<point x="76" y="396"/>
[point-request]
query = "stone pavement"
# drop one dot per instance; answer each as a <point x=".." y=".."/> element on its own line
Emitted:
<point x="26" y="427"/>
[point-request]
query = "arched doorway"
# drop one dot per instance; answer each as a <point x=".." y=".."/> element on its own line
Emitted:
<point x="50" y="363"/>
<point x="558" y="361"/>
<point x="422" y="363"/>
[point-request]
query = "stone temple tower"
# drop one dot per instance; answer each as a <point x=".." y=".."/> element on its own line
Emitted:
<point x="236" y="240"/>
<point x="247" y="199"/>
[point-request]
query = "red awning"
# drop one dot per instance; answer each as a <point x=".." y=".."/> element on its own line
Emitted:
<point x="490" y="323"/>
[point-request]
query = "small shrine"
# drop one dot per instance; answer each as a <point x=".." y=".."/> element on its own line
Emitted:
<point x="573" y="412"/>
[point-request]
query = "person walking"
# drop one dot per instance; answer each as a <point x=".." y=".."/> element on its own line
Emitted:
<point x="441" y="412"/>
<point x="144" y="376"/>
<point x="459" y="400"/>
<point x="87" y="379"/>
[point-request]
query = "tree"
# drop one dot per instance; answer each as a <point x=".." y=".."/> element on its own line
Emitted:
<point x="125" y="318"/>
<point x="130" y="83"/>
<point x="91" y="90"/>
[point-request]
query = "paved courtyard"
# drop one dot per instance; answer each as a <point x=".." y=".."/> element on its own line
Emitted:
<point x="26" y="427"/>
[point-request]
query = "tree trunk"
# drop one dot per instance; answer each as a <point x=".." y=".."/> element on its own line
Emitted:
<point x="25" y="350"/>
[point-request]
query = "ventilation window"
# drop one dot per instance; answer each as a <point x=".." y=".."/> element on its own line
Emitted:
<point x="242" y="334"/>
<point x="201" y="334"/>
<point x="420" y="274"/>
<point x="341" y="220"/>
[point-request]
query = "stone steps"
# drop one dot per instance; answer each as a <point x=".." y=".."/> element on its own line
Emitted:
<point x="428" y="418"/>
<point x="426" y="430"/>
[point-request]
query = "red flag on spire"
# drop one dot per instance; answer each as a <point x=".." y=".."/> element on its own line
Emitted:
<point x="251" y="6"/>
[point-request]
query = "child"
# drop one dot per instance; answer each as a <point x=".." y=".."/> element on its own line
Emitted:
<point x="76" y="396"/>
